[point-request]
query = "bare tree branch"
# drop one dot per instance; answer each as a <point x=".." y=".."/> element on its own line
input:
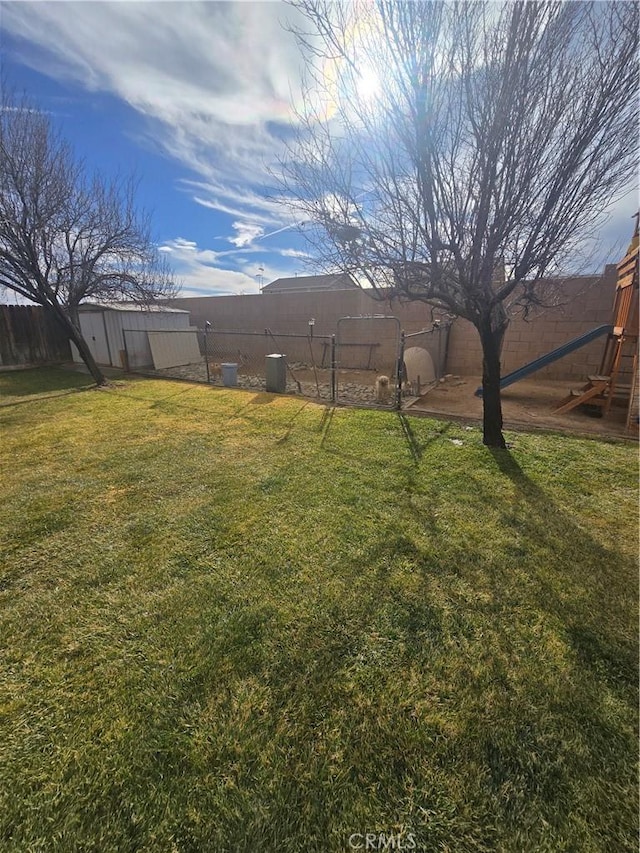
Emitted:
<point x="66" y="237"/>
<point x="499" y="135"/>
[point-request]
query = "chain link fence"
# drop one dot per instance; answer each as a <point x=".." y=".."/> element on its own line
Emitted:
<point x="367" y="355"/>
<point x="369" y="361"/>
<point x="308" y="359"/>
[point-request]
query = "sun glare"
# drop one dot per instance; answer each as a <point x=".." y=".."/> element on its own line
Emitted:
<point x="351" y="77"/>
<point x="368" y="84"/>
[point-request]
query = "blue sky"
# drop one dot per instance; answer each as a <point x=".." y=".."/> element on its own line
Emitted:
<point x="197" y="98"/>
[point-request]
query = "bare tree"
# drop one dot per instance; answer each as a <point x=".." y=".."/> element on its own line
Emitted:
<point x="66" y="237"/>
<point x="455" y="152"/>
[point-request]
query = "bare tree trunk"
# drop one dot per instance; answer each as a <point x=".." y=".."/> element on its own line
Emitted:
<point x="495" y="145"/>
<point x="491" y="337"/>
<point x="73" y="331"/>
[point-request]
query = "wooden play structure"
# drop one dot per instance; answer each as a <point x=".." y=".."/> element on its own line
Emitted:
<point x="617" y="379"/>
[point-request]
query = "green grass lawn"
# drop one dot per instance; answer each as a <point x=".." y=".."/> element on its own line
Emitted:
<point x="242" y="622"/>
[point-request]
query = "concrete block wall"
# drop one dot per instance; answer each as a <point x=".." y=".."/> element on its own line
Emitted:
<point x="289" y="313"/>
<point x="586" y="302"/>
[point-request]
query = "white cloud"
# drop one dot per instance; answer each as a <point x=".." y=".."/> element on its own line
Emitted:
<point x="205" y="272"/>
<point x="214" y="81"/>
<point x="199" y="272"/>
<point x="246" y="233"/>
<point x="240" y="200"/>
<point x="294" y="253"/>
<point x="214" y="84"/>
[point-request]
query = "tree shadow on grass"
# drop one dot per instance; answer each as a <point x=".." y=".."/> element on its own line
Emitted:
<point x="289" y="426"/>
<point x="546" y="567"/>
<point x="38" y="398"/>
<point x="536" y="650"/>
<point x="167" y="401"/>
<point x="405" y="610"/>
<point x="415" y="447"/>
<point x="589" y="584"/>
<point x="41" y="384"/>
<point x="263" y="398"/>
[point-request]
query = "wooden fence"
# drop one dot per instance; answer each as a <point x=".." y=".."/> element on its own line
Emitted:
<point x="31" y="335"/>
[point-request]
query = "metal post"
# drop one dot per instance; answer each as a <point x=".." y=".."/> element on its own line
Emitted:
<point x="207" y="326"/>
<point x="400" y="372"/>
<point x="333" y="368"/>
<point x="313" y="360"/>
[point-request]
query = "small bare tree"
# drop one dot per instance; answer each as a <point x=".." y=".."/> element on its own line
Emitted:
<point x="454" y="152"/>
<point x="66" y="237"/>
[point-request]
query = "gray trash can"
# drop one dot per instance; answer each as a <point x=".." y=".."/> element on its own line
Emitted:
<point x="276" y="373"/>
<point x="229" y="374"/>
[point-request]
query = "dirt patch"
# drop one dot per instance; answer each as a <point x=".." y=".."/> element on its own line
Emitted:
<point x="528" y="403"/>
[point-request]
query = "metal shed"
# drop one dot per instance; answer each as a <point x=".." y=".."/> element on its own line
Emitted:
<point x="116" y="331"/>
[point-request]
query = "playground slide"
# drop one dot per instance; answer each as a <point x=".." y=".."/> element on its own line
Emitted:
<point x="554" y="355"/>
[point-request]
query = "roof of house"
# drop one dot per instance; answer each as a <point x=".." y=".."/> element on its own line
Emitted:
<point x="128" y="306"/>
<point x="305" y="283"/>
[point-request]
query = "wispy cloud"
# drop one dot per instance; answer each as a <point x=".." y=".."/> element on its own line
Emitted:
<point x="201" y="273"/>
<point x="214" y="85"/>
<point x="294" y="253"/>
<point x="214" y="82"/>
<point x="205" y="272"/>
